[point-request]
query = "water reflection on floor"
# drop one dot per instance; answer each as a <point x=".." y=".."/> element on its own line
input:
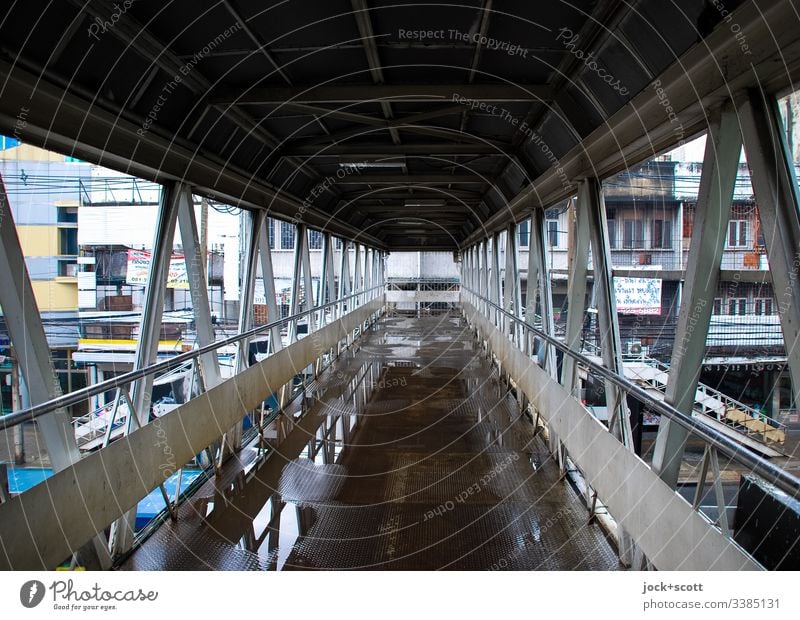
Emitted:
<point x="415" y="457"/>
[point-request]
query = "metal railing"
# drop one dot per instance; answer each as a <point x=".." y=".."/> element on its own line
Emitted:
<point x="773" y="474"/>
<point x="72" y="398"/>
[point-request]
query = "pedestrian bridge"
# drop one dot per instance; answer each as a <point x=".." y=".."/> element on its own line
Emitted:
<point x="400" y="427"/>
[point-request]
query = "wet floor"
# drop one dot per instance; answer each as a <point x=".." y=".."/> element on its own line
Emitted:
<point x="421" y="460"/>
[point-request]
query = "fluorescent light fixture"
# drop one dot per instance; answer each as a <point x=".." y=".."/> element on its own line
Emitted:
<point x="358" y="165"/>
<point x="434" y="202"/>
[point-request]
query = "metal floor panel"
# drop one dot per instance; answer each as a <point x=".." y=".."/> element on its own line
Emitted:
<point x="442" y="471"/>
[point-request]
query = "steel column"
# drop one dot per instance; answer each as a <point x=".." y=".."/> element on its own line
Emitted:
<point x="297" y="272"/>
<point x="196" y="263"/>
<point x="357" y="284"/>
<point x="495" y="281"/>
<point x="308" y="282"/>
<point x="539" y="279"/>
<point x="592" y="206"/>
<point x="511" y="283"/>
<point x="576" y="295"/>
<point x="122" y="530"/>
<point x="776" y="192"/>
<point x="24" y="324"/>
<point x="720" y="166"/>
<point x="484" y="276"/>
<point x="268" y="277"/>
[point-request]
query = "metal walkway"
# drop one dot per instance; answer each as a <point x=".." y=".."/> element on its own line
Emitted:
<point x="440" y="471"/>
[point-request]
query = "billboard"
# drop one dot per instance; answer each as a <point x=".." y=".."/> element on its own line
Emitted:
<point x="638" y="295"/>
<point x="139" y="269"/>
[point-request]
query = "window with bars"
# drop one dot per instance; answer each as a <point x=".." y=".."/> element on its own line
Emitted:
<point x="662" y="234"/>
<point x="524" y="233"/>
<point x="552" y="233"/>
<point x="738" y="233"/>
<point x="287" y="236"/>
<point x="717" y="306"/>
<point x="737" y="306"/>
<point x="612" y="234"/>
<point x="271" y="233"/>
<point x="314" y="240"/>
<point x="633" y="234"/>
<point x="763" y="305"/>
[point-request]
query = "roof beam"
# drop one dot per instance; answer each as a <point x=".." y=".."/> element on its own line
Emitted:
<point x="109" y="138"/>
<point x="406" y="180"/>
<point x="364" y="93"/>
<point x="696" y="82"/>
<point x="361" y="15"/>
<point x="386" y="150"/>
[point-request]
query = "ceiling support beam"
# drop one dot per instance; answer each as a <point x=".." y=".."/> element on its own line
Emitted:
<point x="695" y="83"/>
<point x="365" y="93"/>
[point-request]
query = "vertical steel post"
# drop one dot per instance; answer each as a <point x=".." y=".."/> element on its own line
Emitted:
<point x="122" y="531"/>
<point x="196" y="262"/>
<point x="775" y="187"/>
<point x="720" y="166"/>
<point x="484" y="288"/>
<point x="592" y="206"/>
<point x="495" y="282"/>
<point x="511" y="284"/>
<point x="576" y="296"/>
<point x="297" y="273"/>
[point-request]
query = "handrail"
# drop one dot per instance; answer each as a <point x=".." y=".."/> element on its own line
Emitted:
<point x="31" y="413"/>
<point x="769" y="472"/>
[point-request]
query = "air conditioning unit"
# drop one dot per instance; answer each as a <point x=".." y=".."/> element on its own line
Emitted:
<point x="635" y="347"/>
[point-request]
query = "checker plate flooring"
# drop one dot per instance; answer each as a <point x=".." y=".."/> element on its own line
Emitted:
<point x="439" y="472"/>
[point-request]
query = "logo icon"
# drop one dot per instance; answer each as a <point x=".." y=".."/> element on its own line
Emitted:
<point x="31" y="593"/>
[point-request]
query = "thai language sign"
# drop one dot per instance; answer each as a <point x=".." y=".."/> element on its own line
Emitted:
<point x="139" y="269"/>
<point x="638" y="295"/>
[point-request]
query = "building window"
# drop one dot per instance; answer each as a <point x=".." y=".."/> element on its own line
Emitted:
<point x="633" y="234"/>
<point x="67" y="241"/>
<point x="763" y="305"/>
<point x="338" y="244"/>
<point x="737" y="233"/>
<point x="662" y="234"/>
<point x="271" y="233"/>
<point x="717" y="306"/>
<point x="67" y="269"/>
<point x="552" y="233"/>
<point x="612" y="233"/>
<point x="737" y="306"/>
<point x="314" y="240"/>
<point x="524" y="233"/>
<point x="287" y="236"/>
<point x="67" y="215"/>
